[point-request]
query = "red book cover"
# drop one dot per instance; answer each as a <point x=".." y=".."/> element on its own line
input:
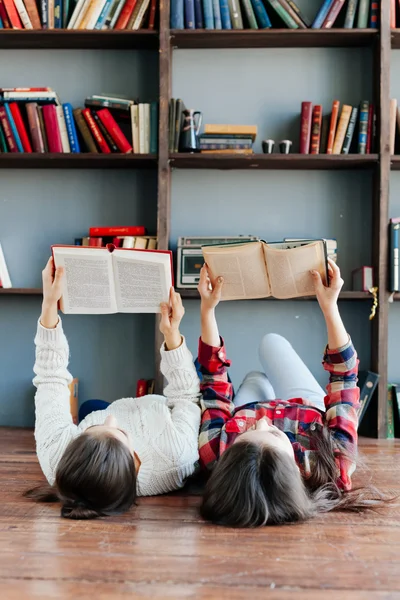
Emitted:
<point x="20" y="89"/>
<point x="96" y="242"/>
<point x="152" y="13"/>
<point x="114" y="130"/>
<point x="52" y="129"/>
<point x="332" y="126"/>
<point x="34" y="127"/>
<point x="305" y="129"/>
<point x="117" y="241"/>
<point x="141" y="388"/>
<point x="333" y="14"/>
<point x="393" y="14"/>
<point x="4" y="16"/>
<point x="125" y="14"/>
<point x="316" y="129"/>
<point x="10" y="139"/>
<point x="13" y="14"/>
<point x="33" y="13"/>
<point x="95" y="131"/>
<point x="114" y="231"/>
<point x="369" y="129"/>
<point x="20" y="125"/>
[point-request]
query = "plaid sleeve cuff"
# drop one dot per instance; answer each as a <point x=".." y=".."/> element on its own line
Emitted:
<point x="213" y="358"/>
<point x="344" y="354"/>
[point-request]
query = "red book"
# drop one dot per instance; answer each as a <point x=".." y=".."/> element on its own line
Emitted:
<point x="96" y="242"/>
<point x="13" y="14"/>
<point x="316" y="129"/>
<point x="20" y="125"/>
<point x="10" y="139"/>
<point x="4" y="16"/>
<point x="393" y="14"/>
<point x="305" y="127"/>
<point x="52" y="129"/>
<point x="33" y="13"/>
<point x="369" y="129"/>
<point x="95" y="131"/>
<point x="114" y="130"/>
<point x="114" y="231"/>
<point x="333" y="14"/>
<point x="34" y="127"/>
<point x="332" y="126"/>
<point x="20" y="89"/>
<point x="152" y="13"/>
<point x="141" y="388"/>
<point x="117" y="241"/>
<point x="125" y="15"/>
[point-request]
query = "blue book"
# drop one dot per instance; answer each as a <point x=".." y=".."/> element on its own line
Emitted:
<point x="261" y="14"/>
<point x="58" y="14"/>
<point x="208" y="13"/>
<point x="394" y="256"/>
<point x="225" y="14"/>
<point x="13" y="127"/>
<point x="217" y="15"/>
<point x="71" y="129"/>
<point x="44" y="8"/>
<point x="198" y="14"/>
<point x="189" y="14"/>
<point x="1" y="24"/>
<point x="322" y="14"/>
<point x="363" y="127"/>
<point x="104" y="14"/>
<point x="176" y="19"/>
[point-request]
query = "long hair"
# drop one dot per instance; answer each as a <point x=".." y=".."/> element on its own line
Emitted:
<point x="95" y="477"/>
<point x="254" y="485"/>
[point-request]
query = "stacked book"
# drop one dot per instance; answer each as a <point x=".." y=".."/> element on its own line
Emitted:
<point x="34" y="120"/>
<point x="347" y="129"/>
<point x="228" y="139"/>
<point x="263" y="14"/>
<point x="121" y="237"/>
<point x="82" y="14"/>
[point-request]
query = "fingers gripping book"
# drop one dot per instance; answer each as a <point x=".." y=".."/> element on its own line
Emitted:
<point x="110" y="280"/>
<point x="259" y="270"/>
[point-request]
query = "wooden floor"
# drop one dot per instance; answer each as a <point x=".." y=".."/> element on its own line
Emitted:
<point x="163" y="550"/>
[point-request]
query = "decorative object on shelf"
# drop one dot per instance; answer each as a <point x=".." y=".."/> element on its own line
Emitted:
<point x="362" y="279"/>
<point x="284" y="146"/>
<point x="189" y="136"/>
<point x="374" y="292"/>
<point x="5" y="281"/>
<point x="268" y="146"/>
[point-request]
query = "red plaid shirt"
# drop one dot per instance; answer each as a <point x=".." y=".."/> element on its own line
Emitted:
<point x="221" y="422"/>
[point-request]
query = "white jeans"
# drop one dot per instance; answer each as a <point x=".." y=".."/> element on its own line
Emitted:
<point x="285" y="376"/>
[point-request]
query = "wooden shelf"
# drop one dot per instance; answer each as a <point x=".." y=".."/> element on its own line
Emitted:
<point x="77" y="161"/>
<point x="63" y="39"/>
<point x="21" y="292"/>
<point x="274" y="161"/>
<point x="273" y="38"/>
<point x="194" y="295"/>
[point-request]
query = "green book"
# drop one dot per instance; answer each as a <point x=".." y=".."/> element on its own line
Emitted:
<point x="249" y="12"/>
<point x="363" y="12"/>
<point x="390" y="413"/>
<point x="171" y="128"/>
<point x="178" y="124"/>
<point x="153" y="127"/>
<point x="286" y="18"/>
<point x="3" y="143"/>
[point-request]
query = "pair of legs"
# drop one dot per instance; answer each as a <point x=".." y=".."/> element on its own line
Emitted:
<point x="285" y="376"/>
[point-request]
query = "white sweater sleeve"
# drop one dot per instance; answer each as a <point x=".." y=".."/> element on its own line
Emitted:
<point x="54" y="428"/>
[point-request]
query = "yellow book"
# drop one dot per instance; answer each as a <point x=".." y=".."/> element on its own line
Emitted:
<point x="232" y="151"/>
<point x="342" y="129"/>
<point x="215" y="129"/>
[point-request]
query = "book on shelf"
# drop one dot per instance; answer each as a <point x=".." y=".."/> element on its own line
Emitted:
<point x="110" y="280"/>
<point x="390" y="434"/>
<point x="5" y="281"/>
<point x="392" y="124"/>
<point x="367" y="382"/>
<point x="394" y="279"/>
<point x="119" y="237"/>
<point x="396" y="409"/>
<point x="260" y="270"/>
<point x="363" y="279"/>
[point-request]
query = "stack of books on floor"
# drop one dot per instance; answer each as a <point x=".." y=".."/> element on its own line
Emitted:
<point x="80" y="14"/>
<point x="122" y="237"/>
<point x="263" y="14"/>
<point x="34" y="120"/>
<point x="228" y="139"/>
<point x="347" y="129"/>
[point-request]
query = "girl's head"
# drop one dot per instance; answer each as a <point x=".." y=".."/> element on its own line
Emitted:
<point x="257" y="482"/>
<point x="96" y="475"/>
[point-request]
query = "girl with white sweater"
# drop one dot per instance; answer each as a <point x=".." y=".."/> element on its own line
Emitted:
<point x="137" y="446"/>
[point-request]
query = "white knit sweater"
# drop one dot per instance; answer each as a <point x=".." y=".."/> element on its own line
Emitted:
<point x="164" y="429"/>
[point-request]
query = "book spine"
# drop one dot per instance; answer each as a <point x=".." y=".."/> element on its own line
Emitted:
<point x="95" y="242"/>
<point x="42" y="128"/>
<point x="189" y="14"/>
<point x="324" y="134"/>
<point x="71" y="129"/>
<point x="322" y="14"/>
<point x="13" y="14"/>
<point x="3" y="143"/>
<point x="390" y="414"/>
<point x="5" y="281"/>
<point x="147" y="128"/>
<point x="75" y="15"/>
<point x="114" y="231"/>
<point x="292" y="13"/>
<point x="394" y="252"/>
<point x="65" y="5"/>
<point x="142" y="143"/>
<point x="118" y="11"/>
<point x="110" y="142"/>
<point x="95" y="131"/>
<point x="286" y="18"/>
<point x="9" y="135"/>
<point x="52" y="128"/>
<point x="58" y="15"/>
<point x="19" y="124"/>
<point x="316" y="129"/>
<point x="333" y="14"/>
<point x="103" y="15"/>
<point x="350" y="14"/>
<point x="62" y="126"/>
<point x="153" y="127"/>
<point x="142" y="8"/>
<point x="305" y="127"/>
<point x="373" y="136"/>
<point x="114" y="130"/>
<point x="297" y="10"/>
<point x="13" y="128"/>
<point x="50" y="14"/>
<point x="374" y="17"/>
<point x="198" y="14"/>
<point x="44" y="14"/>
<point x="392" y="14"/>
<point x="86" y="8"/>
<point x="141" y="388"/>
<point x="135" y="128"/>
<point x="341" y="129"/>
<point x="33" y="13"/>
<point x="84" y="131"/>
<point x="350" y="131"/>
<point x="261" y="14"/>
<point x="392" y="123"/>
<point x="225" y="146"/>
<point x="369" y="129"/>
<point x="363" y="127"/>
<point x="153" y="10"/>
<point x="249" y="12"/>
<point x="111" y="12"/>
<point x="4" y="16"/>
<point x="362" y="17"/>
<point x="86" y="15"/>
<point x="177" y="16"/>
<point x="98" y="9"/>
<point x="34" y="127"/>
<point x="217" y="14"/>
<point x="133" y="22"/>
<point x="20" y="6"/>
<point x="236" y="14"/>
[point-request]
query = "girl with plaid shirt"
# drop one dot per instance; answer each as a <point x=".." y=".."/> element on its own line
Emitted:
<point x="278" y="460"/>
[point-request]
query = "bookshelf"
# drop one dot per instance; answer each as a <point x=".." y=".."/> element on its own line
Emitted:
<point x="377" y="167"/>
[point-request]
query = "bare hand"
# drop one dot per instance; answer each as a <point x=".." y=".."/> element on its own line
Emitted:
<point x="210" y="290"/>
<point x="171" y="317"/>
<point x="327" y="296"/>
<point x="52" y="283"/>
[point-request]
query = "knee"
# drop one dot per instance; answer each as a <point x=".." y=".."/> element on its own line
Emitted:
<point x="255" y="375"/>
<point x="271" y="342"/>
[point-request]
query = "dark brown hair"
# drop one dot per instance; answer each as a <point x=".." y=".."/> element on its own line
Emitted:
<point x="95" y="477"/>
<point x="254" y="485"/>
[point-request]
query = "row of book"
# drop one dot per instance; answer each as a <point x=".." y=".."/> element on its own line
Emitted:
<point x="349" y="130"/>
<point x="121" y="237"/>
<point x="263" y="14"/>
<point x="227" y="139"/>
<point x="80" y="14"/>
<point x="34" y="120"/>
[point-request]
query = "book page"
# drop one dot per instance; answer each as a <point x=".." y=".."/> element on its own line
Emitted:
<point x="88" y="283"/>
<point x="289" y="270"/>
<point x="243" y="268"/>
<point x="142" y="280"/>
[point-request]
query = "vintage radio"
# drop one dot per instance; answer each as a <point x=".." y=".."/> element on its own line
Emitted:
<point x="190" y="257"/>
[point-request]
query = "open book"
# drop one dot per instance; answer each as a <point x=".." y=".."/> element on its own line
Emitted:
<point x="110" y="280"/>
<point x="260" y="270"/>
